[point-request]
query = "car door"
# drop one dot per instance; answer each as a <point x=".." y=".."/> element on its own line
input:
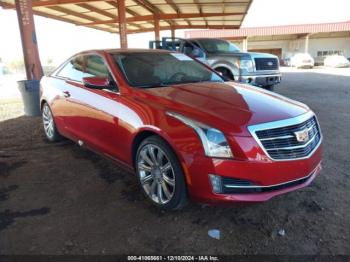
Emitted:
<point x="92" y="114"/>
<point x="67" y="80"/>
<point x="100" y="124"/>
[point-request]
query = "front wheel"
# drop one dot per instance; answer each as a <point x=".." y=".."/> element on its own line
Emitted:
<point x="49" y="124"/>
<point x="227" y="74"/>
<point x="160" y="174"/>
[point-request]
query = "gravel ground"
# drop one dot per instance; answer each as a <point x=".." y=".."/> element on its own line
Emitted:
<point x="61" y="199"/>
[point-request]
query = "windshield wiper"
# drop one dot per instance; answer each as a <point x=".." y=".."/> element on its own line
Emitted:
<point x="155" y="85"/>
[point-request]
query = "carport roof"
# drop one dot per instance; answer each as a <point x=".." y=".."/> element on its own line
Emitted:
<point x="172" y="14"/>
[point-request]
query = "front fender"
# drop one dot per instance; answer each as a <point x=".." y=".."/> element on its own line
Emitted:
<point x="181" y="138"/>
<point x="228" y="65"/>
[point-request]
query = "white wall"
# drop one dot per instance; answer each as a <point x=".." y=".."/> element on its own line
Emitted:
<point x="289" y="47"/>
<point x="325" y="44"/>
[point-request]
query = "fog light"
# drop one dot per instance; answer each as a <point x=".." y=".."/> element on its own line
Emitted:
<point x="216" y="183"/>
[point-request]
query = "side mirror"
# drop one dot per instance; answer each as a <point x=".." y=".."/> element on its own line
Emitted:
<point x="96" y="82"/>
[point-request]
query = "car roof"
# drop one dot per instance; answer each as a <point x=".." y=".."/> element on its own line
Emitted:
<point x="121" y="50"/>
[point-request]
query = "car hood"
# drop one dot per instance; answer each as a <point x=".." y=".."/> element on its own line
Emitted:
<point x="240" y="54"/>
<point x="229" y="107"/>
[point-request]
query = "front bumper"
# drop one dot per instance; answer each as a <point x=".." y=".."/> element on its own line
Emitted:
<point x="261" y="80"/>
<point x="268" y="179"/>
<point x="305" y="65"/>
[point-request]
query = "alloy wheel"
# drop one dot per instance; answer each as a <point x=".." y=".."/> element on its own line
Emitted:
<point x="156" y="174"/>
<point x="48" y="122"/>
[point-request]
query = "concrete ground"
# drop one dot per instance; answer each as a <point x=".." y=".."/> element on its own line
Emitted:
<point x="61" y="199"/>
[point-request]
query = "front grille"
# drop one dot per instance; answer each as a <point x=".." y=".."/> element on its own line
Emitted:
<point x="281" y="143"/>
<point x="266" y="63"/>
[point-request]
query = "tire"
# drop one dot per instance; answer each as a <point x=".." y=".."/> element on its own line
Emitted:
<point x="160" y="174"/>
<point x="226" y="73"/>
<point x="50" y="129"/>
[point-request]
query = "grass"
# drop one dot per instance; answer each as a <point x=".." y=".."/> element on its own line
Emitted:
<point x="10" y="108"/>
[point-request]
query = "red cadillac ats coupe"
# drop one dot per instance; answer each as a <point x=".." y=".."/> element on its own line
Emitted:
<point x="185" y="131"/>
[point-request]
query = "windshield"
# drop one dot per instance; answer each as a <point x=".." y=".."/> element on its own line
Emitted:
<point x="218" y="46"/>
<point x="149" y="69"/>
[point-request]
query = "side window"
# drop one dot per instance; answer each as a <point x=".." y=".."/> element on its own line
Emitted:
<point x="188" y="48"/>
<point x="95" y="66"/>
<point x="74" y="69"/>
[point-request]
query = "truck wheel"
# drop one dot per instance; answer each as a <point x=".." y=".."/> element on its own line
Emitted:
<point x="225" y="73"/>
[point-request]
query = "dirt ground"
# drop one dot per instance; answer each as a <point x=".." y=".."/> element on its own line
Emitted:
<point x="61" y="199"/>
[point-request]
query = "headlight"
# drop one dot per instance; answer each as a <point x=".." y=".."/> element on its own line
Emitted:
<point x="213" y="140"/>
<point x="247" y="64"/>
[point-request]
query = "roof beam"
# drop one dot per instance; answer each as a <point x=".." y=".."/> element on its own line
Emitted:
<point x="184" y="27"/>
<point x="73" y="13"/>
<point x="206" y="3"/>
<point x="173" y="5"/>
<point x="143" y="3"/>
<point x="63" y="19"/>
<point x="162" y="17"/>
<point x="148" y="6"/>
<point x="151" y="8"/>
<point x="82" y="3"/>
<point x="101" y="12"/>
<point x="114" y="3"/>
<point x="59" y="2"/>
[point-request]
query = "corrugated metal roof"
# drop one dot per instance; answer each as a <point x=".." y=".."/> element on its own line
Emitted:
<point x="177" y="14"/>
<point x="273" y="30"/>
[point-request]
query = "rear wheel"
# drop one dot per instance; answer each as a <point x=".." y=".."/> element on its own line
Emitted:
<point x="160" y="174"/>
<point x="49" y="124"/>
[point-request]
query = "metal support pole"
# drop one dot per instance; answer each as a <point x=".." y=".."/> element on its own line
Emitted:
<point x="245" y="44"/>
<point x="156" y="29"/>
<point x="306" y="43"/>
<point x="123" y="34"/>
<point x="172" y="32"/>
<point x="29" y="43"/>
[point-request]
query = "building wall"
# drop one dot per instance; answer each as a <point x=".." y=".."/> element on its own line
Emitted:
<point x="329" y="44"/>
<point x="290" y="47"/>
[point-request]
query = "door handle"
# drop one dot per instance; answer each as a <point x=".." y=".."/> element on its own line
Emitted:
<point x="66" y="94"/>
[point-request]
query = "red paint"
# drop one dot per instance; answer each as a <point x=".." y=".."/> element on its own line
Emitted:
<point x="95" y="81"/>
<point x="109" y="122"/>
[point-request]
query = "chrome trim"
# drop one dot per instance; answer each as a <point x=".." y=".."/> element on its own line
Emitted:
<point x="262" y="75"/>
<point x="295" y="147"/>
<point x="277" y="137"/>
<point x="285" y="123"/>
<point x="313" y="172"/>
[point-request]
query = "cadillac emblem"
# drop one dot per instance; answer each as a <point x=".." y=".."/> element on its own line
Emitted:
<point x="302" y="136"/>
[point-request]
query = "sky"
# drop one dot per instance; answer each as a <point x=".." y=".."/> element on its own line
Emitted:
<point x="58" y="40"/>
